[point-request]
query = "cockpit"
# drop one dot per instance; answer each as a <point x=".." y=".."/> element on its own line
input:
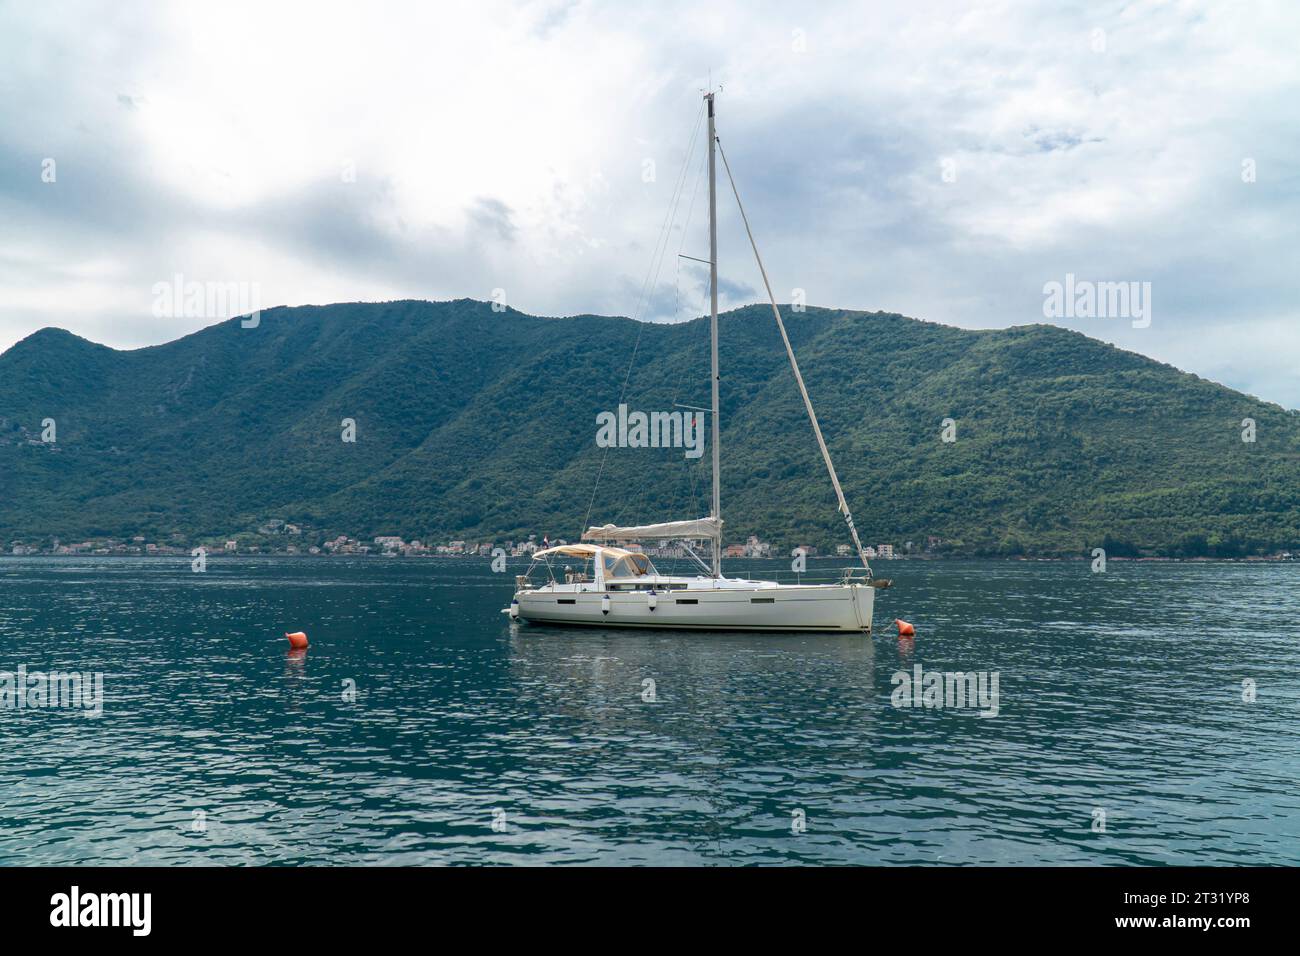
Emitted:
<point x="620" y="570"/>
<point x="629" y="566"/>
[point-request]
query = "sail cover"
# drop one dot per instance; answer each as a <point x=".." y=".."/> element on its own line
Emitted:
<point x="699" y="528"/>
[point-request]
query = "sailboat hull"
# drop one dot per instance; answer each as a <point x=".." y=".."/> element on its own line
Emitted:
<point x="770" y="608"/>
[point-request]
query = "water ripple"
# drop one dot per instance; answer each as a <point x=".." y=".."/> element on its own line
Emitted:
<point x="1119" y="693"/>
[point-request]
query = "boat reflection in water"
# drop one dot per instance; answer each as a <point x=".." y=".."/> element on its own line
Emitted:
<point x="708" y="679"/>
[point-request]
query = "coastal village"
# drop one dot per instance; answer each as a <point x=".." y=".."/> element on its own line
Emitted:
<point x="287" y="539"/>
<point x="281" y="537"/>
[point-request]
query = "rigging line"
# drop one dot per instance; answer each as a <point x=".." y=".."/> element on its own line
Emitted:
<point x="662" y="239"/>
<point x="794" y="365"/>
<point x="693" y="474"/>
<point x="690" y="473"/>
<point x="662" y="249"/>
<point x="690" y="212"/>
<point x="677" y="388"/>
<point x="677" y="287"/>
<point x="665" y="230"/>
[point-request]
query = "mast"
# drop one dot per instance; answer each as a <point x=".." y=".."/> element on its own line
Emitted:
<point x="713" y="329"/>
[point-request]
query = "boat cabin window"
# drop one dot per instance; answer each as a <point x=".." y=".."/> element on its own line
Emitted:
<point x="631" y="566"/>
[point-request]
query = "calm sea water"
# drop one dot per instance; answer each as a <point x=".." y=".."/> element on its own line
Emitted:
<point x="1119" y="692"/>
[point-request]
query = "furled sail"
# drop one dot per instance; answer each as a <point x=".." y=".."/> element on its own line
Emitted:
<point x="700" y="528"/>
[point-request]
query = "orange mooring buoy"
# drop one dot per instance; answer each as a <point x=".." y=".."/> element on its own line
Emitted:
<point x="904" y="629"/>
<point x="297" y="640"/>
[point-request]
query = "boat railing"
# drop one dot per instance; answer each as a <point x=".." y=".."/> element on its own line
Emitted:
<point x="853" y="575"/>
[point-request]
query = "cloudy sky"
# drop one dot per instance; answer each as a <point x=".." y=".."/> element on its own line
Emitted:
<point x="945" y="161"/>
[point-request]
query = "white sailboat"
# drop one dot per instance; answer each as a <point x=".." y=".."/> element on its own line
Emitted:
<point x="621" y="588"/>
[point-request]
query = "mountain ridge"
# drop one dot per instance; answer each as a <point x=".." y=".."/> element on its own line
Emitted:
<point x="479" y="424"/>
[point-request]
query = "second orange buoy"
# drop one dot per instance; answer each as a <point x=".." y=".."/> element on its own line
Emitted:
<point x="297" y="639"/>
<point x="904" y="629"/>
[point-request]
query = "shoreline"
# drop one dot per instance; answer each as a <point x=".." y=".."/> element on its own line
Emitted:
<point x="818" y="559"/>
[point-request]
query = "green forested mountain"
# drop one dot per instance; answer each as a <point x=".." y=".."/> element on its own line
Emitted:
<point x="482" y="425"/>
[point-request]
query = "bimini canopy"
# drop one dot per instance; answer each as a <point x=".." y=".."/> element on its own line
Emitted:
<point x="579" y="551"/>
<point x="699" y="528"/>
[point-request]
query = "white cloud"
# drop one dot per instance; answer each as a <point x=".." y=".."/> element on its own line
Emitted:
<point x="504" y="145"/>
